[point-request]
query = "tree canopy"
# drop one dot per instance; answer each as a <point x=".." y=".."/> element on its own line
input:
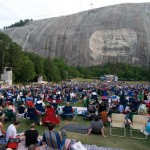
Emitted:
<point x="20" y="23"/>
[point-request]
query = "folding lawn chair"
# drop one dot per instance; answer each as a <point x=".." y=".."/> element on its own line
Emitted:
<point x="118" y="122"/>
<point x="51" y="117"/>
<point x="138" y="125"/>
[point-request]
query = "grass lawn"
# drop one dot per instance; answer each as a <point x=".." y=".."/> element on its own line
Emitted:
<point x="126" y="143"/>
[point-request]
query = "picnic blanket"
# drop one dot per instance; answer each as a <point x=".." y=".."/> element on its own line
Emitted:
<point x="76" y="128"/>
<point x="87" y="146"/>
<point x="3" y="144"/>
<point x="94" y="147"/>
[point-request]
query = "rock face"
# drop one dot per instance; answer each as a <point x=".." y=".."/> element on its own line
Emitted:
<point x="118" y="33"/>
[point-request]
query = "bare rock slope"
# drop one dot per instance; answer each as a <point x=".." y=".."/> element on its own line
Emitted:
<point x="118" y="33"/>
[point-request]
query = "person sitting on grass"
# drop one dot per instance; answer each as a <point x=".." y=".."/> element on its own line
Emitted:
<point x="53" y="139"/>
<point x="112" y="110"/>
<point x="11" y="130"/>
<point x="21" y="109"/>
<point x="31" y="136"/>
<point x="146" y="130"/>
<point x="104" y="117"/>
<point x="96" y="126"/>
<point x="11" y="106"/>
<point x="67" y="111"/>
<point x="142" y="110"/>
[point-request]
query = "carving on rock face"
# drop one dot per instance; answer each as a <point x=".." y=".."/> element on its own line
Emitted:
<point x="113" y="43"/>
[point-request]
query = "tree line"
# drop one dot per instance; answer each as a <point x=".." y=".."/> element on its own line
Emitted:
<point x="27" y="67"/>
<point x="19" y="23"/>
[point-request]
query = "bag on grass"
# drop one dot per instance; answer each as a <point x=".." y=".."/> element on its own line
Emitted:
<point x="78" y="146"/>
<point x="68" y="143"/>
<point x="13" y="143"/>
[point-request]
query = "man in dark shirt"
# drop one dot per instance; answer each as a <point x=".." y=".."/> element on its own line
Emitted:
<point x="21" y="108"/>
<point x="96" y="126"/>
<point x="31" y="136"/>
<point x="67" y="111"/>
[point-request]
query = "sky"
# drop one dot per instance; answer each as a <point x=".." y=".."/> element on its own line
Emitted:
<point x="12" y="11"/>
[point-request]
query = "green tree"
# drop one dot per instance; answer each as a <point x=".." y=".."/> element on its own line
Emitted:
<point x="56" y="74"/>
<point x="5" y="42"/>
<point x="47" y="68"/>
<point x="20" y="23"/>
<point x="16" y="57"/>
<point x="38" y="63"/>
<point x="62" y="66"/>
<point x="27" y="72"/>
<point x="72" y="73"/>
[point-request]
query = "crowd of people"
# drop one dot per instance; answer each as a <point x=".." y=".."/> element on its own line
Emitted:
<point x="101" y="100"/>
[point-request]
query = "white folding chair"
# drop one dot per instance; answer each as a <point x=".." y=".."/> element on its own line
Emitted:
<point x="118" y="122"/>
<point x="138" y="125"/>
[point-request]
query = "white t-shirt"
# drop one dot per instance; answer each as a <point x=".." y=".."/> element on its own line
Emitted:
<point x="40" y="101"/>
<point x="94" y="93"/>
<point x="11" y="131"/>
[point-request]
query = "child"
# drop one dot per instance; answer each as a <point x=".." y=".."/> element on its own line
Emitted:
<point x="146" y="131"/>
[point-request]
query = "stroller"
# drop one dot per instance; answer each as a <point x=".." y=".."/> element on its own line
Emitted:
<point x="92" y="111"/>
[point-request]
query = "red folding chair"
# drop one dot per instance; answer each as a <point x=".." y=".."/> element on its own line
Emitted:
<point x="51" y="117"/>
<point x="29" y="103"/>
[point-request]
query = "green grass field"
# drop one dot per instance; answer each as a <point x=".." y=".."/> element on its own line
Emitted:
<point x="126" y="143"/>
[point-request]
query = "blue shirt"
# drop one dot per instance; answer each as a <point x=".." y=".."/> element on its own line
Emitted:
<point x="148" y="127"/>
